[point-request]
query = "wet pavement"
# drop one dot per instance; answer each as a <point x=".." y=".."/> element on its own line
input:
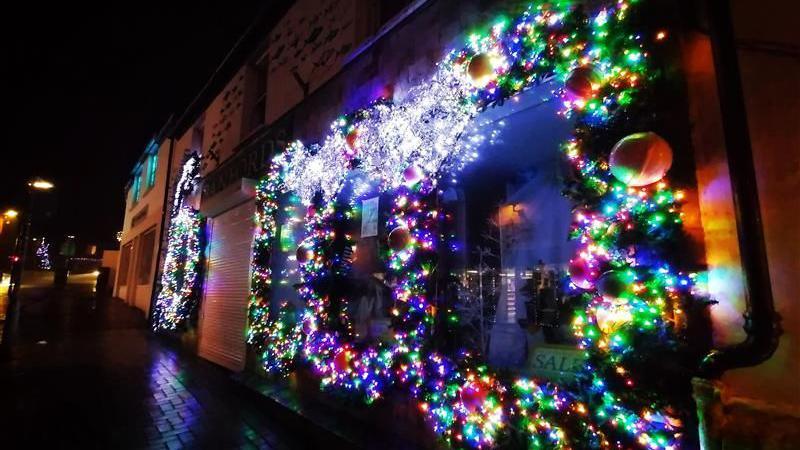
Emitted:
<point x="85" y="373"/>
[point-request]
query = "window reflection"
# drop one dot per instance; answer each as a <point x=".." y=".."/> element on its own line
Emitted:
<point x="509" y="212"/>
<point x="498" y="287"/>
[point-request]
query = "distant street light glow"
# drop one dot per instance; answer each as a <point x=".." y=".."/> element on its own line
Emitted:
<point x="42" y="185"/>
<point x="11" y="214"/>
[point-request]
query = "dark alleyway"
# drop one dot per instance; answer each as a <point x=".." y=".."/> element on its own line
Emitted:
<point x="85" y="373"/>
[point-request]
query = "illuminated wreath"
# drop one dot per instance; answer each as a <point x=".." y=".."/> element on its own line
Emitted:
<point x="624" y="215"/>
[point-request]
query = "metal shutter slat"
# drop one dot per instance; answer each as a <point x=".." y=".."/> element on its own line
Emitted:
<point x="224" y="313"/>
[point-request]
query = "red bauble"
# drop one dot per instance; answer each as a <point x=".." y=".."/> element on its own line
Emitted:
<point x="304" y="254"/>
<point x="581" y="81"/>
<point x="399" y="238"/>
<point x="412" y="175"/>
<point x="480" y="70"/>
<point x="581" y="274"/>
<point x="611" y="285"/>
<point x="640" y="159"/>
<point x="341" y="361"/>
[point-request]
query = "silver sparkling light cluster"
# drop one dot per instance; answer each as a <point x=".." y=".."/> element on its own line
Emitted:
<point x="422" y="129"/>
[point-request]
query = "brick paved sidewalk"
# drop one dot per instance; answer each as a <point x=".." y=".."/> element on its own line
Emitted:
<point x="85" y="374"/>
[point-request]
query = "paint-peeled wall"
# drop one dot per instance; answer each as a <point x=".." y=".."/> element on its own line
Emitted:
<point x="310" y="45"/>
<point x="228" y="120"/>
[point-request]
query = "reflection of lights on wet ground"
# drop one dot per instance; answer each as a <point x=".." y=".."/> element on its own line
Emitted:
<point x="171" y="404"/>
<point x="84" y="278"/>
<point x="198" y="406"/>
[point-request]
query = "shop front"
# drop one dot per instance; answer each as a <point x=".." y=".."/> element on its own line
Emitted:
<point x="505" y="248"/>
<point x="498" y="243"/>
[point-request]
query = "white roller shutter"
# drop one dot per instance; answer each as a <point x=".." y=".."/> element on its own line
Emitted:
<point x="224" y="308"/>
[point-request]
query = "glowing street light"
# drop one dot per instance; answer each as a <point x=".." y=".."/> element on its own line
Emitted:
<point x="41" y="184"/>
<point x="11" y="214"/>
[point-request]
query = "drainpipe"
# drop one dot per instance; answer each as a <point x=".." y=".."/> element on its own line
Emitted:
<point x="761" y="321"/>
<point x="164" y="223"/>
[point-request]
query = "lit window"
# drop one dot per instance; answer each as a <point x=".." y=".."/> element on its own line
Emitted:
<point x="137" y="187"/>
<point x="152" y="165"/>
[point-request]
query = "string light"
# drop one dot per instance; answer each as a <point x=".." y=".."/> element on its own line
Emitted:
<point x="43" y="255"/>
<point x="180" y="280"/>
<point x="433" y="131"/>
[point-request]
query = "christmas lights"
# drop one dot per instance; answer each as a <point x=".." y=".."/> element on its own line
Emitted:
<point x="422" y="130"/>
<point x="180" y="277"/>
<point x="43" y="255"/>
<point x="632" y="297"/>
<point x="277" y="339"/>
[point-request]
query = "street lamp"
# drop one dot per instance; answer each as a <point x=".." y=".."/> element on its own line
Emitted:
<point x="18" y="260"/>
<point x="37" y="184"/>
<point x="8" y="216"/>
<point x="41" y="184"/>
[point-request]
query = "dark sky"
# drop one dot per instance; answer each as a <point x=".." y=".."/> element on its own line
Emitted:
<point x="87" y="86"/>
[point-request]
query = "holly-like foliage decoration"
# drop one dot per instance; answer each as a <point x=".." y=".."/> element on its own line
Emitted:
<point x="632" y="304"/>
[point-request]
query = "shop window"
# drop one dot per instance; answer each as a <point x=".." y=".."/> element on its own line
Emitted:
<point x="509" y="251"/>
<point x="361" y="289"/>
<point x="284" y="256"/>
<point x="498" y="282"/>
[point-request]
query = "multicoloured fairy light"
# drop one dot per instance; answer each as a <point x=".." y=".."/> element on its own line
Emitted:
<point x="619" y="273"/>
<point x="180" y="277"/>
<point x="278" y="339"/>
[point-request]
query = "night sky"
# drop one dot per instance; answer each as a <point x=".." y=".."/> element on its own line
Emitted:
<point x="86" y="87"/>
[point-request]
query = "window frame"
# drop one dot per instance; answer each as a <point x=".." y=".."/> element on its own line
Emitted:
<point x="136" y="188"/>
<point x="152" y="169"/>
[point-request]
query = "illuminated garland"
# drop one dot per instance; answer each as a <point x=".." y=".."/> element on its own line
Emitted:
<point x="277" y="339"/>
<point x="43" y="255"/>
<point x="374" y="368"/>
<point x="406" y="147"/>
<point x="180" y="278"/>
